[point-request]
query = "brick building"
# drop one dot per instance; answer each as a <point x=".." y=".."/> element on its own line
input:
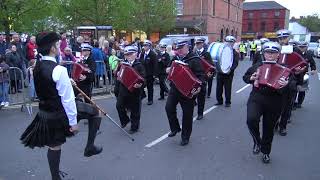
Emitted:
<point x="263" y="19"/>
<point x="215" y="18"/>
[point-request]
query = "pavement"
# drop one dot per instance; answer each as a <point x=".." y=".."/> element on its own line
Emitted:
<point x="219" y="149"/>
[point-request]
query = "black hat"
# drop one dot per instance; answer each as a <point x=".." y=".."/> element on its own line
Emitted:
<point x="45" y="38"/>
<point x="181" y="43"/>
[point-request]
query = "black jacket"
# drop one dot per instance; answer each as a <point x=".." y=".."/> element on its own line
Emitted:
<point x="14" y="59"/>
<point x="308" y="56"/>
<point x="150" y="63"/>
<point x="121" y="90"/>
<point x="92" y="66"/>
<point x="258" y="57"/>
<point x="163" y="63"/>
<point x="265" y="90"/>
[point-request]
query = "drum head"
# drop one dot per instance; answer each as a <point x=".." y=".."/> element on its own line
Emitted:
<point x="226" y="59"/>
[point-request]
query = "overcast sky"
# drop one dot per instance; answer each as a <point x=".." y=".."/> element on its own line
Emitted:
<point x="297" y="7"/>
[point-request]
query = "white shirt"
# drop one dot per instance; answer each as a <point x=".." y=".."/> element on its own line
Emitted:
<point x="65" y="90"/>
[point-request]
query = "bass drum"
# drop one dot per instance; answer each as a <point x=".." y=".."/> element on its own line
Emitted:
<point x="222" y="56"/>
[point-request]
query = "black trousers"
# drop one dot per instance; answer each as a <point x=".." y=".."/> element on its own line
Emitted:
<point x="187" y="106"/>
<point x="301" y="96"/>
<point x="86" y="88"/>
<point x="201" y="99"/>
<point x="224" y="81"/>
<point x="132" y="103"/>
<point x="252" y="53"/>
<point x="150" y="81"/>
<point x="269" y="107"/>
<point x="209" y="86"/>
<point x="288" y="100"/>
<point x="163" y="86"/>
<point x="241" y="55"/>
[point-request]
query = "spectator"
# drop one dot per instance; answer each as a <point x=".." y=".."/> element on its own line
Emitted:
<point x="32" y="91"/>
<point x="13" y="59"/>
<point x="31" y="48"/>
<point x="68" y="59"/>
<point x="170" y="51"/>
<point x="4" y="82"/>
<point x="77" y="46"/>
<point x="113" y="63"/>
<point x="106" y="52"/>
<point x="63" y="42"/>
<point x="3" y="45"/>
<point x="97" y="56"/>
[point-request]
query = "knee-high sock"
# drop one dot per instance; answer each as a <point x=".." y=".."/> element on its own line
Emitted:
<point x="54" y="162"/>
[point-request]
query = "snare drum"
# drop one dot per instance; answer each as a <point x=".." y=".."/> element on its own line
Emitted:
<point x="222" y="56"/>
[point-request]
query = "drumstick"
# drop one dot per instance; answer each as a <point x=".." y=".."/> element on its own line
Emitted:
<point x="101" y="110"/>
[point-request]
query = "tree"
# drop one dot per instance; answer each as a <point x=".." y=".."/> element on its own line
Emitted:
<point x="312" y="22"/>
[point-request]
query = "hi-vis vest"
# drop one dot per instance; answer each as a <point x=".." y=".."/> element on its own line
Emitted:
<point x="242" y="48"/>
<point x="253" y="46"/>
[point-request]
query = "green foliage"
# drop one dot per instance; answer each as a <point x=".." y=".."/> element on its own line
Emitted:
<point x="312" y="22"/>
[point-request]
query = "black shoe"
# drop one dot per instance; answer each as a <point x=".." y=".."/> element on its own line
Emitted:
<point x="199" y="117"/>
<point x="283" y="132"/>
<point x="132" y="131"/>
<point x="195" y="103"/>
<point x="173" y="133"/>
<point x="184" y="142"/>
<point x="256" y="149"/>
<point x="64" y="176"/>
<point x="218" y="103"/>
<point x="94" y="150"/>
<point x="227" y="105"/>
<point x="150" y="103"/>
<point x="266" y="158"/>
<point x="124" y="125"/>
<point x="161" y="98"/>
<point x="298" y="106"/>
<point x="208" y="97"/>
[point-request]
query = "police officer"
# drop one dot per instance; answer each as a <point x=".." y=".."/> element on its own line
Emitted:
<point x="242" y="49"/>
<point x="175" y="97"/>
<point x="258" y="57"/>
<point x="149" y="58"/>
<point x="263" y="101"/>
<point x="253" y="49"/>
<point x="201" y="51"/>
<point x="302" y="49"/>
<point x="290" y="91"/>
<point x="163" y="63"/>
<point x="127" y="100"/>
<point x="225" y="80"/>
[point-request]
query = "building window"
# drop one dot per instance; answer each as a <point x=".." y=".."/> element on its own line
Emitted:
<point x="263" y="26"/>
<point x="250" y="27"/>
<point x="276" y="26"/>
<point x="228" y="9"/>
<point x="236" y="34"/>
<point x="232" y="32"/>
<point x="250" y="15"/>
<point x="277" y="13"/>
<point x="263" y="15"/>
<point x="221" y="35"/>
<point x="227" y="32"/>
<point x="213" y="7"/>
<point x="179" y="7"/>
<point x="237" y="16"/>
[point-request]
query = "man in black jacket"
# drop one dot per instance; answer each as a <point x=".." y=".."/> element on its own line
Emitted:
<point x="263" y="101"/>
<point x="258" y="57"/>
<point x="203" y="54"/>
<point x="302" y="49"/>
<point x="175" y="97"/>
<point x="87" y="79"/>
<point x="149" y="58"/>
<point x="163" y="63"/>
<point x="127" y="100"/>
<point x="224" y="80"/>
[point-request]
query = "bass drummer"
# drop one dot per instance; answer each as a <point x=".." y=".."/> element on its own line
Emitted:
<point x="224" y="80"/>
<point x="301" y="48"/>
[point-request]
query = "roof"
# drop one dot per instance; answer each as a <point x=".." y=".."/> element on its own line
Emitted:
<point x="262" y="5"/>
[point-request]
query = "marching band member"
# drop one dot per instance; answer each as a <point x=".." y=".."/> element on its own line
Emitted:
<point x="87" y="79"/>
<point x="163" y="63"/>
<point x="202" y="53"/>
<point x="175" y="97"/>
<point x="225" y="80"/>
<point x="288" y="98"/>
<point x="258" y="57"/>
<point x="130" y="100"/>
<point x="302" y="48"/>
<point x="263" y="101"/>
<point x="57" y="107"/>
<point x="149" y="59"/>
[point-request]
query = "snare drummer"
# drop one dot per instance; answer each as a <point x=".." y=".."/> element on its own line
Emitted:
<point x="127" y="100"/>
<point x="202" y="53"/>
<point x="175" y="97"/>
<point x="302" y="49"/>
<point x="224" y="80"/>
<point x="263" y="101"/>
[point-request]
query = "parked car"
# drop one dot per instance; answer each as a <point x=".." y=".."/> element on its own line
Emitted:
<point x="315" y="48"/>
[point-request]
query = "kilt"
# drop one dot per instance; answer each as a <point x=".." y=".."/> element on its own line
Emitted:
<point x="47" y="129"/>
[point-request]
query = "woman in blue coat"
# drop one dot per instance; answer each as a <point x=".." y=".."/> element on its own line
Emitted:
<point x="98" y="57"/>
